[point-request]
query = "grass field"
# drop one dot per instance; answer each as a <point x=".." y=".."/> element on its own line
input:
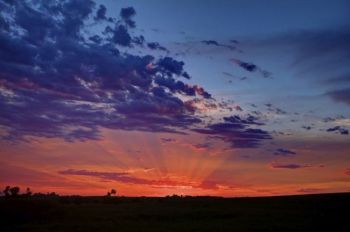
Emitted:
<point x="289" y="213"/>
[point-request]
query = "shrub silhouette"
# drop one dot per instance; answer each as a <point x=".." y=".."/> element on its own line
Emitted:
<point x="112" y="192"/>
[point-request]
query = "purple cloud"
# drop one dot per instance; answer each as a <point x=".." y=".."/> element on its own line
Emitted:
<point x="60" y="80"/>
<point x="73" y="84"/>
<point x="284" y="152"/>
<point x="236" y="131"/>
<point x="289" y="166"/>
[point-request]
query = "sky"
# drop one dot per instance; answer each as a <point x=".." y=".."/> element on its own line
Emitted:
<point x="155" y="98"/>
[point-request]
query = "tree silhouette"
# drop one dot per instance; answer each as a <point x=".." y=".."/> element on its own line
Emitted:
<point x="7" y="191"/>
<point x="14" y="191"/>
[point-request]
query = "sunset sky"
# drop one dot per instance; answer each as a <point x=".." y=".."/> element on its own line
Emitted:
<point x="154" y="98"/>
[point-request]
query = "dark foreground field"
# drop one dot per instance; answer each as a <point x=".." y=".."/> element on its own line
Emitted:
<point x="293" y="213"/>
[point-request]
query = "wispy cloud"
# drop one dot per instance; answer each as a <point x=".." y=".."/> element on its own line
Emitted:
<point x="289" y="166"/>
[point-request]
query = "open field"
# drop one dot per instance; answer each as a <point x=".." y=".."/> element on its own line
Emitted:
<point x="289" y="213"/>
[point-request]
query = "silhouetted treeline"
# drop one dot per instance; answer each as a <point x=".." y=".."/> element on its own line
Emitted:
<point x="15" y="191"/>
<point x="11" y="192"/>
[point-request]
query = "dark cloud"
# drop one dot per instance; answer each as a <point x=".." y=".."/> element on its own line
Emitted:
<point x="74" y="84"/>
<point x="284" y="152"/>
<point x="307" y="127"/>
<point x="121" y="36"/>
<point x="176" y="86"/>
<point x="170" y="65"/>
<point x="249" y="120"/>
<point x="101" y="13"/>
<point x="155" y="46"/>
<point x="250" y="67"/>
<point x="289" y="166"/>
<point x="236" y="131"/>
<point x="247" y="66"/>
<point x="127" y="14"/>
<point x="276" y="110"/>
<point x="210" y="42"/>
<point x="215" y="43"/>
<point x="338" y="129"/>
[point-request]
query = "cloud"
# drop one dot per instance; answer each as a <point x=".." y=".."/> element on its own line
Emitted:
<point x="307" y="127"/>
<point x="249" y="120"/>
<point x="127" y="14"/>
<point x="215" y="43"/>
<point x="101" y="13"/>
<point x="289" y="166"/>
<point x="236" y="131"/>
<point x="338" y="129"/>
<point x="79" y="81"/>
<point x="284" y="152"/>
<point x="59" y="81"/>
<point x="276" y="110"/>
<point x="250" y="67"/>
<point x="121" y="36"/>
<point x="156" y="45"/>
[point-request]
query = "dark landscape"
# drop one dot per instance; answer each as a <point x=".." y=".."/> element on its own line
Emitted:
<point x="175" y="213"/>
